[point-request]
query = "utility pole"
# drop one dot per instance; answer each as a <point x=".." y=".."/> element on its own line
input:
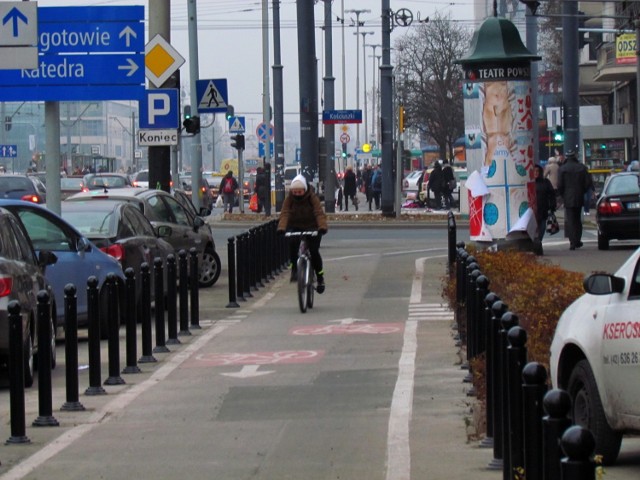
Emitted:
<point x="329" y="103"/>
<point x="364" y="84"/>
<point x="278" y="108"/>
<point x="344" y="78"/>
<point x="194" y="75"/>
<point x="532" y="46"/>
<point x="386" y="108"/>
<point x="374" y="97"/>
<point x="266" y="99"/>
<point x="358" y="13"/>
<point x="570" y="76"/>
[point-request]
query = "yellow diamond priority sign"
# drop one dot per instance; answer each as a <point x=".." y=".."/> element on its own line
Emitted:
<point x="161" y="60"/>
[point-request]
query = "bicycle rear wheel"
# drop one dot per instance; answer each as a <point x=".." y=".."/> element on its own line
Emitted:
<point x="303" y="291"/>
<point x="311" y="287"/>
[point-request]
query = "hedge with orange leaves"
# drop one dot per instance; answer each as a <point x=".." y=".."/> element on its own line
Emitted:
<point x="533" y="288"/>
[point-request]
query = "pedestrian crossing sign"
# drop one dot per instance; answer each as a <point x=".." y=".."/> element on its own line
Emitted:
<point x="236" y="125"/>
<point x="212" y="95"/>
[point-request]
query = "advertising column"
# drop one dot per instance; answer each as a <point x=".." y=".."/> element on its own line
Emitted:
<point x="499" y="118"/>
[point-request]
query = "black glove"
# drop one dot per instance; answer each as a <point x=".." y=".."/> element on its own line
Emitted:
<point x="280" y="232"/>
<point x="322" y="231"/>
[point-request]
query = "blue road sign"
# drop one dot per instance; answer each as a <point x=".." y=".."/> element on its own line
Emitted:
<point x="237" y="125"/>
<point x="8" y="151"/>
<point x="160" y="108"/>
<point x="212" y="95"/>
<point x="261" y="149"/>
<point x="341" y="116"/>
<point x="114" y="70"/>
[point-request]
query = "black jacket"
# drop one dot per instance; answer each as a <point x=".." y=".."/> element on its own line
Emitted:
<point x="573" y="180"/>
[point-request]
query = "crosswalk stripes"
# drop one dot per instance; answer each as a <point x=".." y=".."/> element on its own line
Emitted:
<point x="430" y="312"/>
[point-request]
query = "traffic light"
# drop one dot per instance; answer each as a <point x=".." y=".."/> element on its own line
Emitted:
<point x="344" y="150"/>
<point x="187" y="112"/>
<point x="237" y="142"/>
<point x="559" y="135"/>
<point x="7" y="123"/>
<point x="230" y="112"/>
<point x="192" y="124"/>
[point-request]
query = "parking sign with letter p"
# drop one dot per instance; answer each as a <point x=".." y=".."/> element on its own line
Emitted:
<point x="159" y="108"/>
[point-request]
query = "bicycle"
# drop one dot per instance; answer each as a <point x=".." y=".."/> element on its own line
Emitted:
<point x="306" y="274"/>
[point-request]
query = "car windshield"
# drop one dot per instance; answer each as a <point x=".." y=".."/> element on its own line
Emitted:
<point x="66" y="182"/>
<point x="104" y="181"/>
<point x="15" y="184"/>
<point x="623" y="185"/>
<point x="142" y="176"/>
<point x="91" y="222"/>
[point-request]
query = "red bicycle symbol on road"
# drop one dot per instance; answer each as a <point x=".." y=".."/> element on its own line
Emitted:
<point x="260" y="358"/>
<point x="359" y="328"/>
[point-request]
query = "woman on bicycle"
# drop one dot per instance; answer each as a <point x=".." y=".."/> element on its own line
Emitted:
<point x="302" y="211"/>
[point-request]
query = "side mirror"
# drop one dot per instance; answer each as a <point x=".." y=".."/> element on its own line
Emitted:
<point x="603" y="284"/>
<point x="205" y="211"/>
<point x="164" y="231"/>
<point x="83" y="244"/>
<point x="47" y="257"/>
<point x="197" y="223"/>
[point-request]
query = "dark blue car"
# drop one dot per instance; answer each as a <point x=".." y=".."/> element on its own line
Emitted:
<point x="78" y="258"/>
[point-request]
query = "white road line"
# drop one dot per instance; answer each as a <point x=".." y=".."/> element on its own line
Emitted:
<point x="398" y="444"/>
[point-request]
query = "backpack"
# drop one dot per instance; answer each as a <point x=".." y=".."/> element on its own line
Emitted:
<point x="377" y="182"/>
<point x="228" y="186"/>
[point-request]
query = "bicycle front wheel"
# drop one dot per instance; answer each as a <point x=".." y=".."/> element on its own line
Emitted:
<point x="310" y="286"/>
<point x="303" y="292"/>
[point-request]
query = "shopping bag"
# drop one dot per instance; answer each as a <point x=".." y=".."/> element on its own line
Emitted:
<point x="552" y="224"/>
<point x="253" y="202"/>
<point x="219" y="202"/>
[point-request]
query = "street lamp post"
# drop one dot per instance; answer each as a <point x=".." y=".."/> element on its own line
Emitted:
<point x="364" y="73"/>
<point x="374" y="97"/>
<point x="357" y="33"/>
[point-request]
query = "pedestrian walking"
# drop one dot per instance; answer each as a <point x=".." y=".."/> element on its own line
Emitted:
<point x="449" y="185"/>
<point x="376" y="186"/>
<point x="436" y="184"/>
<point x="228" y="188"/>
<point x="551" y="171"/>
<point x="261" y="189"/>
<point x="367" y="177"/>
<point x="350" y="188"/>
<point x="545" y="204"/>
<point x="588" y="195"/>
<point x="572" y="185"/>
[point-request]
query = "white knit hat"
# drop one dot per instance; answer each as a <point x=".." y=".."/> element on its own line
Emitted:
<point x="299" y="182"/>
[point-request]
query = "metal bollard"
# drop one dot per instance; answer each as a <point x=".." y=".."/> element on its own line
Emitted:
<point x="489" y="299"/>
<point x="183" y="269"/>
<point x="534" y="376"/>
<point x="578" y="443"/>
<point x="45" y="391"/>
<point x="557" y="404"/>
<point x="255" y="267"/>
<point x="71" y="350"/>
<point x="131" y="320"/>
<point x="113" y="323"/>
<point x="231" y="266"/>
<point x="95" y="362"/>
<point x="195" y="301"/>
<point x="497" y="310"/>
<point x="249" y="259"/>
<point x="274" y="269"/>
<point x="508" y="320"/>
<point x="172" y="301"/>
<point x="158" y="278"/>
<point x="482" y="289"/>
<point x="240" y="254"/>
<point x="451" y="241"/>
<point x="145" y="314"/>
<point x="16" y="375"/>
<point x="517" y="359"/>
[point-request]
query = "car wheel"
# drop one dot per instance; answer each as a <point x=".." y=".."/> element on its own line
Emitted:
<point x="587" y="411"/>
<point x="603" y="242"/>
<point x="29" y="361"/>
<point x="210" y="268"/>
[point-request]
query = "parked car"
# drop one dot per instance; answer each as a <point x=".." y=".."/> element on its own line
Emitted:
<point x="204" y="194"/>
<point x="77" y="258"/>
<point x="23" y="187"/>
<point x="618" y="209"/>
<point x="120" y="230"/>
<point x="70" y="184"/>
<point x="95" y="181"/>
<point x="185" y="229"/>
<point x="410" y="183"/>
<point x="595" y="356"/>
<point x="21" y="278"/>
<point x="141" y="179"/>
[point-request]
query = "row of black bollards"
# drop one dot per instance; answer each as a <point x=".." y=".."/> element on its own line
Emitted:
<point x="528" y="427"/>
<point x="254" y="258"/>
<point x="121" y="303"/>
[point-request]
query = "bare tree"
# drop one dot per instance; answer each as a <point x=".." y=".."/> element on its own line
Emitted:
<point x="429" y="83"/>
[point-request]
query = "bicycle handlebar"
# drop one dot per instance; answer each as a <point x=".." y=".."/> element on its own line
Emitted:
<point x="311" y="233"/>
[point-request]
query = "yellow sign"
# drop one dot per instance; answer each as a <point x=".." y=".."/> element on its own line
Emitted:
<point x="161" y="60"/>
<point x="366" y="148"/>
<point x="626" y="49"/>
<point x="229" y="164"/>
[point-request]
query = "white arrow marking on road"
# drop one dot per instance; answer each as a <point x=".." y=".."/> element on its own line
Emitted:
<point x="248" y="371"/>
<point x="348" y="321"/>
<point x="128" y="33"/>
<point x="132" y="67"/>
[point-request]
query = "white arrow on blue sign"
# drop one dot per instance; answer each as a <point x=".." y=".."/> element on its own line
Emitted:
<point x="237" y="125"/>
<point x="159" y="108"/>
<point x="10" y="151"/>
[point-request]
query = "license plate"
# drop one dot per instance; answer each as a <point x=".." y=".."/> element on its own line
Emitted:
<point x="633" y="206"/>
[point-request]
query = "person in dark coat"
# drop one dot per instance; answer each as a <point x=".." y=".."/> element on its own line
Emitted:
<point x="367" y="177"/>
<point x="350" y="188"/>
<point x="302" y="211"/>
<point x="448" y="185"/>
<point x="545" y="202"/>
<point x="436" y="184"/>
<point x="228" y="189"/>
<point x="262" y="189"/>
<point x="572" y="185"/>
<point x="376" y="185"/>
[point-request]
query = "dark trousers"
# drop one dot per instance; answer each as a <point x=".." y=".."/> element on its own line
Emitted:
<point x="314" y="250"/>
<point x="573" y="225"/>
<point x="376" y="199"/>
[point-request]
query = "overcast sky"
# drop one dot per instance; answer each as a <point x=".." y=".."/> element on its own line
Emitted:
<point x="230" y="44"/>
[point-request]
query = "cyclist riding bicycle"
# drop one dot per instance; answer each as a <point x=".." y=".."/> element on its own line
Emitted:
<point x="302" y="211"/>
